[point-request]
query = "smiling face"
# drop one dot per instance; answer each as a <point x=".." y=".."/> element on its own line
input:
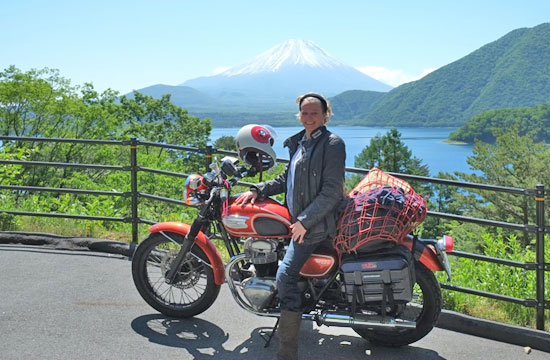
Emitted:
<point x="312" y="115"/>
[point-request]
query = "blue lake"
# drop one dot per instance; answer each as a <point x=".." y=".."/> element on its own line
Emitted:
<point x="426" y="144"/>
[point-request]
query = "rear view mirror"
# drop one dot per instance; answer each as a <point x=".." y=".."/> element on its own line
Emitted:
<point x="229" y="167"/>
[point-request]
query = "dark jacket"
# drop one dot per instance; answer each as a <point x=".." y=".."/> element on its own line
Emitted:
<point x="318" y="183"/>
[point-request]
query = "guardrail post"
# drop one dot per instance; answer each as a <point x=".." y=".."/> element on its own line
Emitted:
<point x="539" y="198"/>
<point x="208" y="156"/>
<point x="134" y="185"/>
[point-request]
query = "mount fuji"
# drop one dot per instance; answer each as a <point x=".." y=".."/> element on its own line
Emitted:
<point x="267" y="86"/>
<point x="284" y="72"/>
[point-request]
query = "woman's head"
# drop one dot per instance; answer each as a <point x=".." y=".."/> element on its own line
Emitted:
<point x="314" y="111"/>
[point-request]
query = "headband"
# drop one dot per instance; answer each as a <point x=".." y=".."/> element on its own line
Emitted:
<point x="317" y="96"/>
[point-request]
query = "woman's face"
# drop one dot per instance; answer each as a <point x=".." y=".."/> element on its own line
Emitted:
<point x="311" y="115"/>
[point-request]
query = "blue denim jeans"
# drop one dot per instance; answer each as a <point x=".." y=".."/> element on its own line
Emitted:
<point x="288" y="275"/>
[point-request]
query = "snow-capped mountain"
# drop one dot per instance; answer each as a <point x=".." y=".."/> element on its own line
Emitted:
<point x="282" y="73"/>
<point x="289" y="53"/>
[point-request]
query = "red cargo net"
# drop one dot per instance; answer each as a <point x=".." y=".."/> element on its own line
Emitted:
<point x="380" y="209"/>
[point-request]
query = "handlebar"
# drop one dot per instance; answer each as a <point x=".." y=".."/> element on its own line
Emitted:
<point x="217" y="176"/>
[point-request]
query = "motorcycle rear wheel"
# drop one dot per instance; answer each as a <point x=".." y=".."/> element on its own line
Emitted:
<point x="425" y="311"/>
<point x="194" y="290"/>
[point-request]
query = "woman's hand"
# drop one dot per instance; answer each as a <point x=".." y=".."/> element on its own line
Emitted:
<point x="298" y="232"/>
<point x="246" y="197"/>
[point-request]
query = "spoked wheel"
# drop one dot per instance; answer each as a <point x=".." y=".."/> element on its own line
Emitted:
<point x="424" y="310"/>
<point x="193" y="290"/>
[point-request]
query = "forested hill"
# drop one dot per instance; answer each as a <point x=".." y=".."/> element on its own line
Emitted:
<point x="351" y="107"/>
<point x="513" y="71"/>
<point x="534" y="120"/>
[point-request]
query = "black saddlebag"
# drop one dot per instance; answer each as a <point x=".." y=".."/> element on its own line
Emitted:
<point x="385" y="276"/>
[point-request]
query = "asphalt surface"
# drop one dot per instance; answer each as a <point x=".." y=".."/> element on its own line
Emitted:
<point x="57" y="304"/>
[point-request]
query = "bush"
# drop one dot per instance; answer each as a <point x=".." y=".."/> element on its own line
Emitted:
<point x="500" y="279"/>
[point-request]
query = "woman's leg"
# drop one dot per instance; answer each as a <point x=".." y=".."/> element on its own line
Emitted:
<point x="288" y="275"/>
<point x="290" y="298"/>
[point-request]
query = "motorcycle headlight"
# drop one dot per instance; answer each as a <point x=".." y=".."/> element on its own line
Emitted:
<point x="193" y="186"/>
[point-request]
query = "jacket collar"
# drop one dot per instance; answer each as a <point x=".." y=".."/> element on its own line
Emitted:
<point x="292" y="142"/>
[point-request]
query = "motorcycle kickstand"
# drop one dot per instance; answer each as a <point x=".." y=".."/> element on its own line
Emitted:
<point x="268" y="338"/>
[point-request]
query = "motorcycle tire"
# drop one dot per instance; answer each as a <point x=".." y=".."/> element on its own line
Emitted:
<point x="425" y="319"/>
<point x="194" y="290"/>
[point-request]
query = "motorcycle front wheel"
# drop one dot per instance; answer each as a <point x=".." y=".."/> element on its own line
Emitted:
<point x="424" y="310"/>
<point x="193" y="290"/>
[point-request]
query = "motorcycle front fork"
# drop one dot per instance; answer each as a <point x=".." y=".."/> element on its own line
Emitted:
<point x="188" y="242"/>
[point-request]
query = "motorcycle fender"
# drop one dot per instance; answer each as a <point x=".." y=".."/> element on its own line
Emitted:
<point x="202" y="241"/>
<point x="426" y="255"/>
<point x="430" y="259"/>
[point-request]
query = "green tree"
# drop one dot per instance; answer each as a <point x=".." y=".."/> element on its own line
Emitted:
<point x="226" y="142"/>
<point x="159" y="120"/>
<point x="535" y="120"/>
<point x="390" y="154"/>
<point x="513" y="161"/>
<point x="40" y="103"/>
<point x="33" y="103"/>
<point x="443" y="199"/>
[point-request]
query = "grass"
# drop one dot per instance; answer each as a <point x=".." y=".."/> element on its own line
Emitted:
<point x="77" y="228"/>
<point x="495" y="310"/>
<point x="499" y="279"/>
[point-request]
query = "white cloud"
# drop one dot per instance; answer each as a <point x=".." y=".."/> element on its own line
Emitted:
<point x="220" y="69"/>
<point x="424" y="73"/>
<point x="391" y="77"/>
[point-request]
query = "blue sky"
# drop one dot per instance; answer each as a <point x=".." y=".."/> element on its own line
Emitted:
<point x="126" y="45"/>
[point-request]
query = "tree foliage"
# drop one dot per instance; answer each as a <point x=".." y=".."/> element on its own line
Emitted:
<point x="499" y="279"/>
<point x="353" y="106"/>
<point x="534" y="120"/>
<point x="42" y="104"/>
<point x="226" y="142"/>
<point x="389" y="153"/>
<point x="515" y="161"/>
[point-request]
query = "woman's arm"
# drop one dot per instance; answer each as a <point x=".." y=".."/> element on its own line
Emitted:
<point x="272" y="187"/>
<point x="262" y="190"/>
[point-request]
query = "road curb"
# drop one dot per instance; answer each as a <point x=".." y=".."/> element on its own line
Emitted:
<point x="449" y="320"/>
<point x="67" y="242"/>
<point x="493" y="330"/>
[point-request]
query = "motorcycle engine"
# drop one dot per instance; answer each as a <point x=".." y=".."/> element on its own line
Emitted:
<point x="261" y="251"/>
<point x="261" y="289"/>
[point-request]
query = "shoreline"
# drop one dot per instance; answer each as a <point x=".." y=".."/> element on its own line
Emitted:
<point x="454" y="142"/>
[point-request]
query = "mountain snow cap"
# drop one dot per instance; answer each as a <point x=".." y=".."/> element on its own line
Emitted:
<point x="290" y="52"/>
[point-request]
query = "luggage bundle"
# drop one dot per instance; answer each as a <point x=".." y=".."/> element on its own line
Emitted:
<point x="378" y="213"/>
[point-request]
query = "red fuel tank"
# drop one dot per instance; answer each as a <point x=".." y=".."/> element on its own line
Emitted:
<point x="263" y="219"/>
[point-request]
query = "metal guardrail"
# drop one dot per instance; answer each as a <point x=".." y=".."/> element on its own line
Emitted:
<point x="540" y="266"/>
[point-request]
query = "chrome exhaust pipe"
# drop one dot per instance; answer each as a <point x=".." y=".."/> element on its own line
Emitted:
<point x="331" y="318"/>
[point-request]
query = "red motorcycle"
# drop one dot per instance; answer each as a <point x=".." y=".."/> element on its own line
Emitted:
<point x="389" y="296"/>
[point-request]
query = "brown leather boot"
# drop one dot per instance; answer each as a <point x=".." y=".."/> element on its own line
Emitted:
<point x="287" y="332"/>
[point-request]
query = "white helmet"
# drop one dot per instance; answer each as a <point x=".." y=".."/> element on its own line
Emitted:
<point x="254" y="143"/>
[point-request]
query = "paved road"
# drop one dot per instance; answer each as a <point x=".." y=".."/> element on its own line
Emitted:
<point x="58" y="304"/>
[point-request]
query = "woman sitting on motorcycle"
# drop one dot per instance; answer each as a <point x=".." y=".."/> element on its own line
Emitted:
<point x="314" y="185"/>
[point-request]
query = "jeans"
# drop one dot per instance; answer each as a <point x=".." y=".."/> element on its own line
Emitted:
<point x="288" y="275"/>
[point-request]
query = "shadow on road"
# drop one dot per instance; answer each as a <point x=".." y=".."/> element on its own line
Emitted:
<point x="205" y="340"/>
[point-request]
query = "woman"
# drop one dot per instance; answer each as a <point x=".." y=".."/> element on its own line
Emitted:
<point x="314" y="186"/>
